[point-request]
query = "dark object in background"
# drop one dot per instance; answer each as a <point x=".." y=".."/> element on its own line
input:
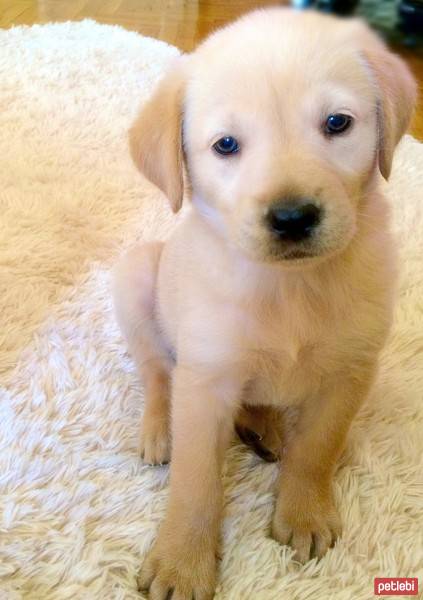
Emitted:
<point x="399" y="21"/>
<point x="411" y="18"/>
<point x="339" y="7"/>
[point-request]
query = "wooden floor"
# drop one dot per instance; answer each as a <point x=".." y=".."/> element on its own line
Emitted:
<point x="180" y="22"/>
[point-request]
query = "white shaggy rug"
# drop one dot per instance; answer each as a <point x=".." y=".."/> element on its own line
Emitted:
<point x="78" y="510"/>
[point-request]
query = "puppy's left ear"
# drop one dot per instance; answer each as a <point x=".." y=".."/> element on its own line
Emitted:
<point x="397" y="98"/>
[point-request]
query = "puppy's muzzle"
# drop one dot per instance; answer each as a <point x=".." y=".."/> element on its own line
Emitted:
<point x="293" y="221"/>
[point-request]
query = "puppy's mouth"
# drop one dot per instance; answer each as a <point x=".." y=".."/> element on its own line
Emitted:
<point x="293" y="254"/>
<point x="296" y="254"/>
<point x="268" y="249"/>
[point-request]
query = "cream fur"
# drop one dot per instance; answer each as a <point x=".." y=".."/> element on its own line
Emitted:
<point x="234" y="316"/>
<point x="78" y="509"/>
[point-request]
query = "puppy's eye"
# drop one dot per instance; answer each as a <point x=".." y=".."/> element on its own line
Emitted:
<point x="337" y="123"/>
<point x="226" y="145"/>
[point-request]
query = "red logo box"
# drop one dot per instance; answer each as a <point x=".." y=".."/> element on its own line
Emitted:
<point x="396" y="586"/>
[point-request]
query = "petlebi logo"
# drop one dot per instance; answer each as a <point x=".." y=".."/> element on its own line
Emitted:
<point x="396" y="586"/>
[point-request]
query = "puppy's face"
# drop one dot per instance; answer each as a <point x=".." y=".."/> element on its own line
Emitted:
<point x="285" y="120"/>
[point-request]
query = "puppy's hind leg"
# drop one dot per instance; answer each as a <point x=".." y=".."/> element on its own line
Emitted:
<point x="135" y="278"/>
<point x="262" y="429"/>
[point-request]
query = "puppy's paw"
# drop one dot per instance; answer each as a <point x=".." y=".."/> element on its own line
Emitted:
<point x="306" y="520"/>
<point x="261" y="428"/>
<point x="178" y="568"/>
<point x="155" y="440"/>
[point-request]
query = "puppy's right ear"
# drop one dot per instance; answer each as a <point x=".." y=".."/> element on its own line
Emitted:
<point x="155" y="138"/>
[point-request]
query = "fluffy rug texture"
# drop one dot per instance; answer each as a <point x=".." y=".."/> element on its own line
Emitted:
<point x="78" y="509"/>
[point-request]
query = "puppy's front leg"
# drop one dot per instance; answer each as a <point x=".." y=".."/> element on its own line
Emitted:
<point x="306" y="516"/>
<point x="183" y="558"/>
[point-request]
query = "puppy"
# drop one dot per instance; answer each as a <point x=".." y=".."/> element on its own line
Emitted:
<point x="275" y="290"/>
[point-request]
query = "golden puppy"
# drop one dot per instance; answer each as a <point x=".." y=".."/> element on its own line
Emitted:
<point x="276" y="288"/>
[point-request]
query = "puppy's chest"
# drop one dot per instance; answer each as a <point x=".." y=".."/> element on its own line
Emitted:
<point x="287" y="347"/>
<point x="278" y="335"/>
<point x="289" y="332"/>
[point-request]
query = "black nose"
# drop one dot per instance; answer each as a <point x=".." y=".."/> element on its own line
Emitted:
<point x="293" y="222"/>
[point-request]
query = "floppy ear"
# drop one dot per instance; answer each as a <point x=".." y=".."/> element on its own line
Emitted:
<point x="155" y="138"/>
<point x="398" y="92"/>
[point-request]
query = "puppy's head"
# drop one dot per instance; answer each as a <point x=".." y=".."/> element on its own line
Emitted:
<point x="281" y="119"/>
